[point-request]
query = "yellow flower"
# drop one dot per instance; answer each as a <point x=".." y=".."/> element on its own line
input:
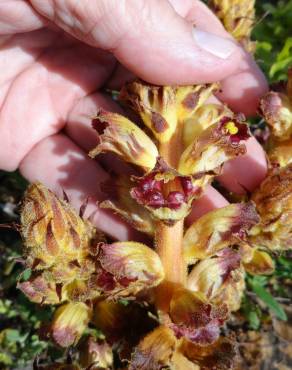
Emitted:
<point x="69" y="322"/>
<point x="125" y="268"/>
<point x="163" y="108"/>
<point x="119" y="135"/>
<point x="217" y="230"/>
<point x="213" y="147"/>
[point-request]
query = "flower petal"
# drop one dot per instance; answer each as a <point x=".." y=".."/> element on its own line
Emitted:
<point x="217" y="230"/>
<point x="211" y="275"/>
<point x="127" y="267"/>
<point x="260" y="264"/>
<point x="119" y="135"/>
<point x="155" y="104"/>
<point x="204" y="117"/>
<point x="154" y="351"/>
<point x="95" y="354"/>
<point x="69" y="322"/>
<point x="194" y="318"/>
<point x="216" y="145"/>
<point x="220" y="355"/>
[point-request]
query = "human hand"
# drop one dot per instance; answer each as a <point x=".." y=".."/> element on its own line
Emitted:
<point x="56" y="55"/>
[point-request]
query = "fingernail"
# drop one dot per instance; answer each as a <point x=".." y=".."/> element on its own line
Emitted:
<point x="213" y="44"/>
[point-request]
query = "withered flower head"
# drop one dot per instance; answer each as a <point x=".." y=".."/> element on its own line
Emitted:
<point x="214" y="146"/>
<point x="119" y="135"/>
<point x="194" y="318"/>
<point x="273" y="201"/>
<point x="52" y="229"/>
<point x="165" y="193"/>
<point x="217" y="230"/>
<point x="276" y="108"/>
<point x="69" y="322"/>
<point x="238" y="17"/>
<point x="125" y="268"/>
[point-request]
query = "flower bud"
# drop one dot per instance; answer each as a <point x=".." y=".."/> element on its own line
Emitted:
<point x="119" y="135"/>
<point x="54" y="235"/>
<point x="69" y="323"/>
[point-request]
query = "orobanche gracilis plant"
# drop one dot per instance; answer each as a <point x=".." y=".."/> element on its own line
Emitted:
<point x="164" y="304"/>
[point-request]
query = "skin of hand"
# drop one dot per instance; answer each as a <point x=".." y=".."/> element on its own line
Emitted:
<point x="55" y="56"/>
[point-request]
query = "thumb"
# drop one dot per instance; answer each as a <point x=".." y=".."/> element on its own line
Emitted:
<point x="148" y="37"/>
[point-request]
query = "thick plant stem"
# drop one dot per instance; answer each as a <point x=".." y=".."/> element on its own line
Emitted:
<point x="169" y="238"/>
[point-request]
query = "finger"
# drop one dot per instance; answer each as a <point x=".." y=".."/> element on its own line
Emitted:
<point x="241" y="89"/>
<point x="59" y="164"/>
<point x="42" y="87"/>
<point x="148" y="37"/>
<point x="245" y="173"/>
<point x="18" y="16"/>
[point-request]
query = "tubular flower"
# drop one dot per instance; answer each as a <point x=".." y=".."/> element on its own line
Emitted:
<point x="194" y="318"/>
<point x="212" y="275"/>
<point x="276" y="108"/>
<point x="261" y="263"/>
<point x="165" y="193"/>
<point x="273" y="201"/>
<point x="69" y="322"/>
<point x="216" y="145"/>
<point x="160" y="349"/>
<point x="217" y="230"/>
<point x="119" y="135"/>
<point x="162" y="108"/>
<point x="204" y="117"/>
<point x="238" y="17"/>
<point x="125" y="268"/>
<point x="95" y="354"/>
<point x="122" y="203"/>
